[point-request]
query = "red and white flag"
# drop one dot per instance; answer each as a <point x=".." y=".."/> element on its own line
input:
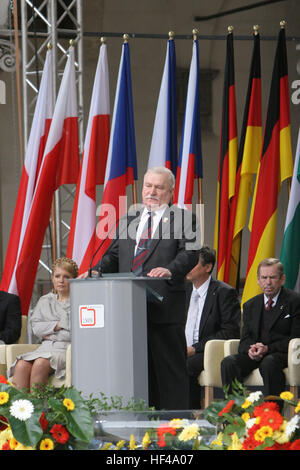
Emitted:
<point x="60" y="165"/>
<point x="34" y="154"/>
<point x="81" y="243"/>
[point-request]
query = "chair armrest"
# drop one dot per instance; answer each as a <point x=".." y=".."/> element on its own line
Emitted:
<point x="231" y="347"/>
<point x="2" y="353"/>
<point x="14" y="350"/>
<point x="213" y="355"/>
<point x="294" y="362"/>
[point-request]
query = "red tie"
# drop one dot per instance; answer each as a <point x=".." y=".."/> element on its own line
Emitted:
<point x="269" y="304"/>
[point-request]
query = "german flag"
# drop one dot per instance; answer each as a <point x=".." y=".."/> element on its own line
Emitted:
<point x="276" y="165"/>
<point x="227" y="159"/>
<point x="247" y="163"/>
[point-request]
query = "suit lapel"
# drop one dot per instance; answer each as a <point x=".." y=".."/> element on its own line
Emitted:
<point x="279" y="307"/>
<point x="209" y="301"/>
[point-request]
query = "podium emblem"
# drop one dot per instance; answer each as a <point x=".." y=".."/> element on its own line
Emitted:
<point x="91" y="316"/>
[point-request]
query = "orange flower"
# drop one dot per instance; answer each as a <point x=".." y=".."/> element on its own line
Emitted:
<point x="227" y="408"/>
<point x="272" y="419"/>
<point x="265" y="408"/>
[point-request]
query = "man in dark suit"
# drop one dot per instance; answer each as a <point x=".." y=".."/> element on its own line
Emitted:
<point x="169" y="254"/>
<point x="270" y="321"/>
<point x="10" y="318"/>
<point x="214" y="313"/>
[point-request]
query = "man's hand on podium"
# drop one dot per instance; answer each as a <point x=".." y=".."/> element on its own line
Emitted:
<point x="159" y="272"/>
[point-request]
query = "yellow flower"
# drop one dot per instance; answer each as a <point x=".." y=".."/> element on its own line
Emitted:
<point x="257" y="420"/>
<point x="47" y="444"/>
<point x="286" y="396"/>
<point x="189" y="432"/>
<point x="132" y="445"/>
<point x="263" y="432"/>
<point x="120" y="444"/>
<point x="13" y="443"/>
<point x="5" y="436"/>
<point x="235" y="442"/>
<point x="279" y="435"/>
<point x="175" y="423"/>
<point x="297" y="409"/>
<point x="22" y="447"/>
<point x="4" y="397"/>
<point x="245" y="417"/>
<point x="146" y="441"/>
<point x="246" y="404"/>
<point x="219" y="440"/>
<point x="69" y="404"/>
<point x="107" y="446"/>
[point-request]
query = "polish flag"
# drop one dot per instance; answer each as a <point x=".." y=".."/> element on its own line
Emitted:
<point x="81" y="243"/>
<point x="34" y="153"/>
<point x="60" y="165"/>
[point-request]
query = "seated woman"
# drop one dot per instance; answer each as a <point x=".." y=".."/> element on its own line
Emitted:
<point x="50" y="322"/>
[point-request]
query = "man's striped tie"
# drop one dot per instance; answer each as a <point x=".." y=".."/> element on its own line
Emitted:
<point x="143" y="247"/>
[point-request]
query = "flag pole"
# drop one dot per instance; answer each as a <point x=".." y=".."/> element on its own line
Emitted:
<point x="289" y="180"/>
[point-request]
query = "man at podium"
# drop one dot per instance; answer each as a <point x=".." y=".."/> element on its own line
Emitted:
<point x="161" y="242"/>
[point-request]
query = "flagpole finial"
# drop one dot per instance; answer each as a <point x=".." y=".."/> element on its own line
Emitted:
<point x="103" y="40"/>
<point x="195" y="33"/>
<point x="230" y="29"/>
<point x="71" y="43"/>
<point x="171" y="34"/>
<point x="256" y="29"/>
<point x="125" y="37"/>
<point x="49" y="46"/>
<point x="282" y="24"/>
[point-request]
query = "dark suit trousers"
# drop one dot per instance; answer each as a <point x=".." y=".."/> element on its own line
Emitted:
<point x="195" y="365"/>
<point x="168" y="379"/>
<point x="271" y="368"/>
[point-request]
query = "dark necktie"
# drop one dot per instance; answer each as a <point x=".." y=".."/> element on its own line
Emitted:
<point x="143" y="247"/>
<point x="269" y="304"/>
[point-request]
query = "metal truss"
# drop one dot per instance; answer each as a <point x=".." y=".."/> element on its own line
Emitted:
<point x="55" y="22"/>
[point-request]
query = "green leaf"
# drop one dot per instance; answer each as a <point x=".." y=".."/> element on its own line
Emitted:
<point x="27" y="432"/>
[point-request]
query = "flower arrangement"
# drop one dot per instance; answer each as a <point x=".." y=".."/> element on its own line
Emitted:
<point x="250" y="422"/>
<point x="33" y="422"/>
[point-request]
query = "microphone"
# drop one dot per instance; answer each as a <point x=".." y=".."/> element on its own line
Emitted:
<point x="100" y="245"/>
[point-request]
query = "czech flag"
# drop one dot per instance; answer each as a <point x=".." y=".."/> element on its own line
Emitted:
<point x="190" y="157"/>
<point x="121" y="167"/>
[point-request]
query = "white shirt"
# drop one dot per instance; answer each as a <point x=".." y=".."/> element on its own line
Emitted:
<point x="156" y="216"/>
<point x="195" y="312"/>
<point x="274" y="299"/>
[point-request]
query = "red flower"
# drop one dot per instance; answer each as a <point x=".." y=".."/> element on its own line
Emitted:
<point x="250" y="443"/>
<point x="3" y="425"/>
<point x="43" y="422"/>
<point x="272" y="419"/>
<point x="277" y="446"/>
<point x="3" y="380"/>
<point x="227" y="408"/>
<point x="161" y="441"/>
<point x="162" y="430"/>
<point x="265" y="408"/>
<point x="6" y="446"/>
<point x="60" y="433"/>
<point x="295" y="445"/>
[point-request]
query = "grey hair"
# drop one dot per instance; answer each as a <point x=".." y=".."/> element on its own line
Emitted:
<point x="271" y="262"/>
<point x="161" y="170"/>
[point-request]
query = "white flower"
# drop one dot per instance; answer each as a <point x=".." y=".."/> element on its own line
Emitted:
<point x="291" y="426"/>
<point x="255" y="396"/>
<point x="250" y="423"/>
<point x="21" y="409"/>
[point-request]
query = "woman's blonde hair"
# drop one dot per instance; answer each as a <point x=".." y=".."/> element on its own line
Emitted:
<point x="66" y="263"/>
